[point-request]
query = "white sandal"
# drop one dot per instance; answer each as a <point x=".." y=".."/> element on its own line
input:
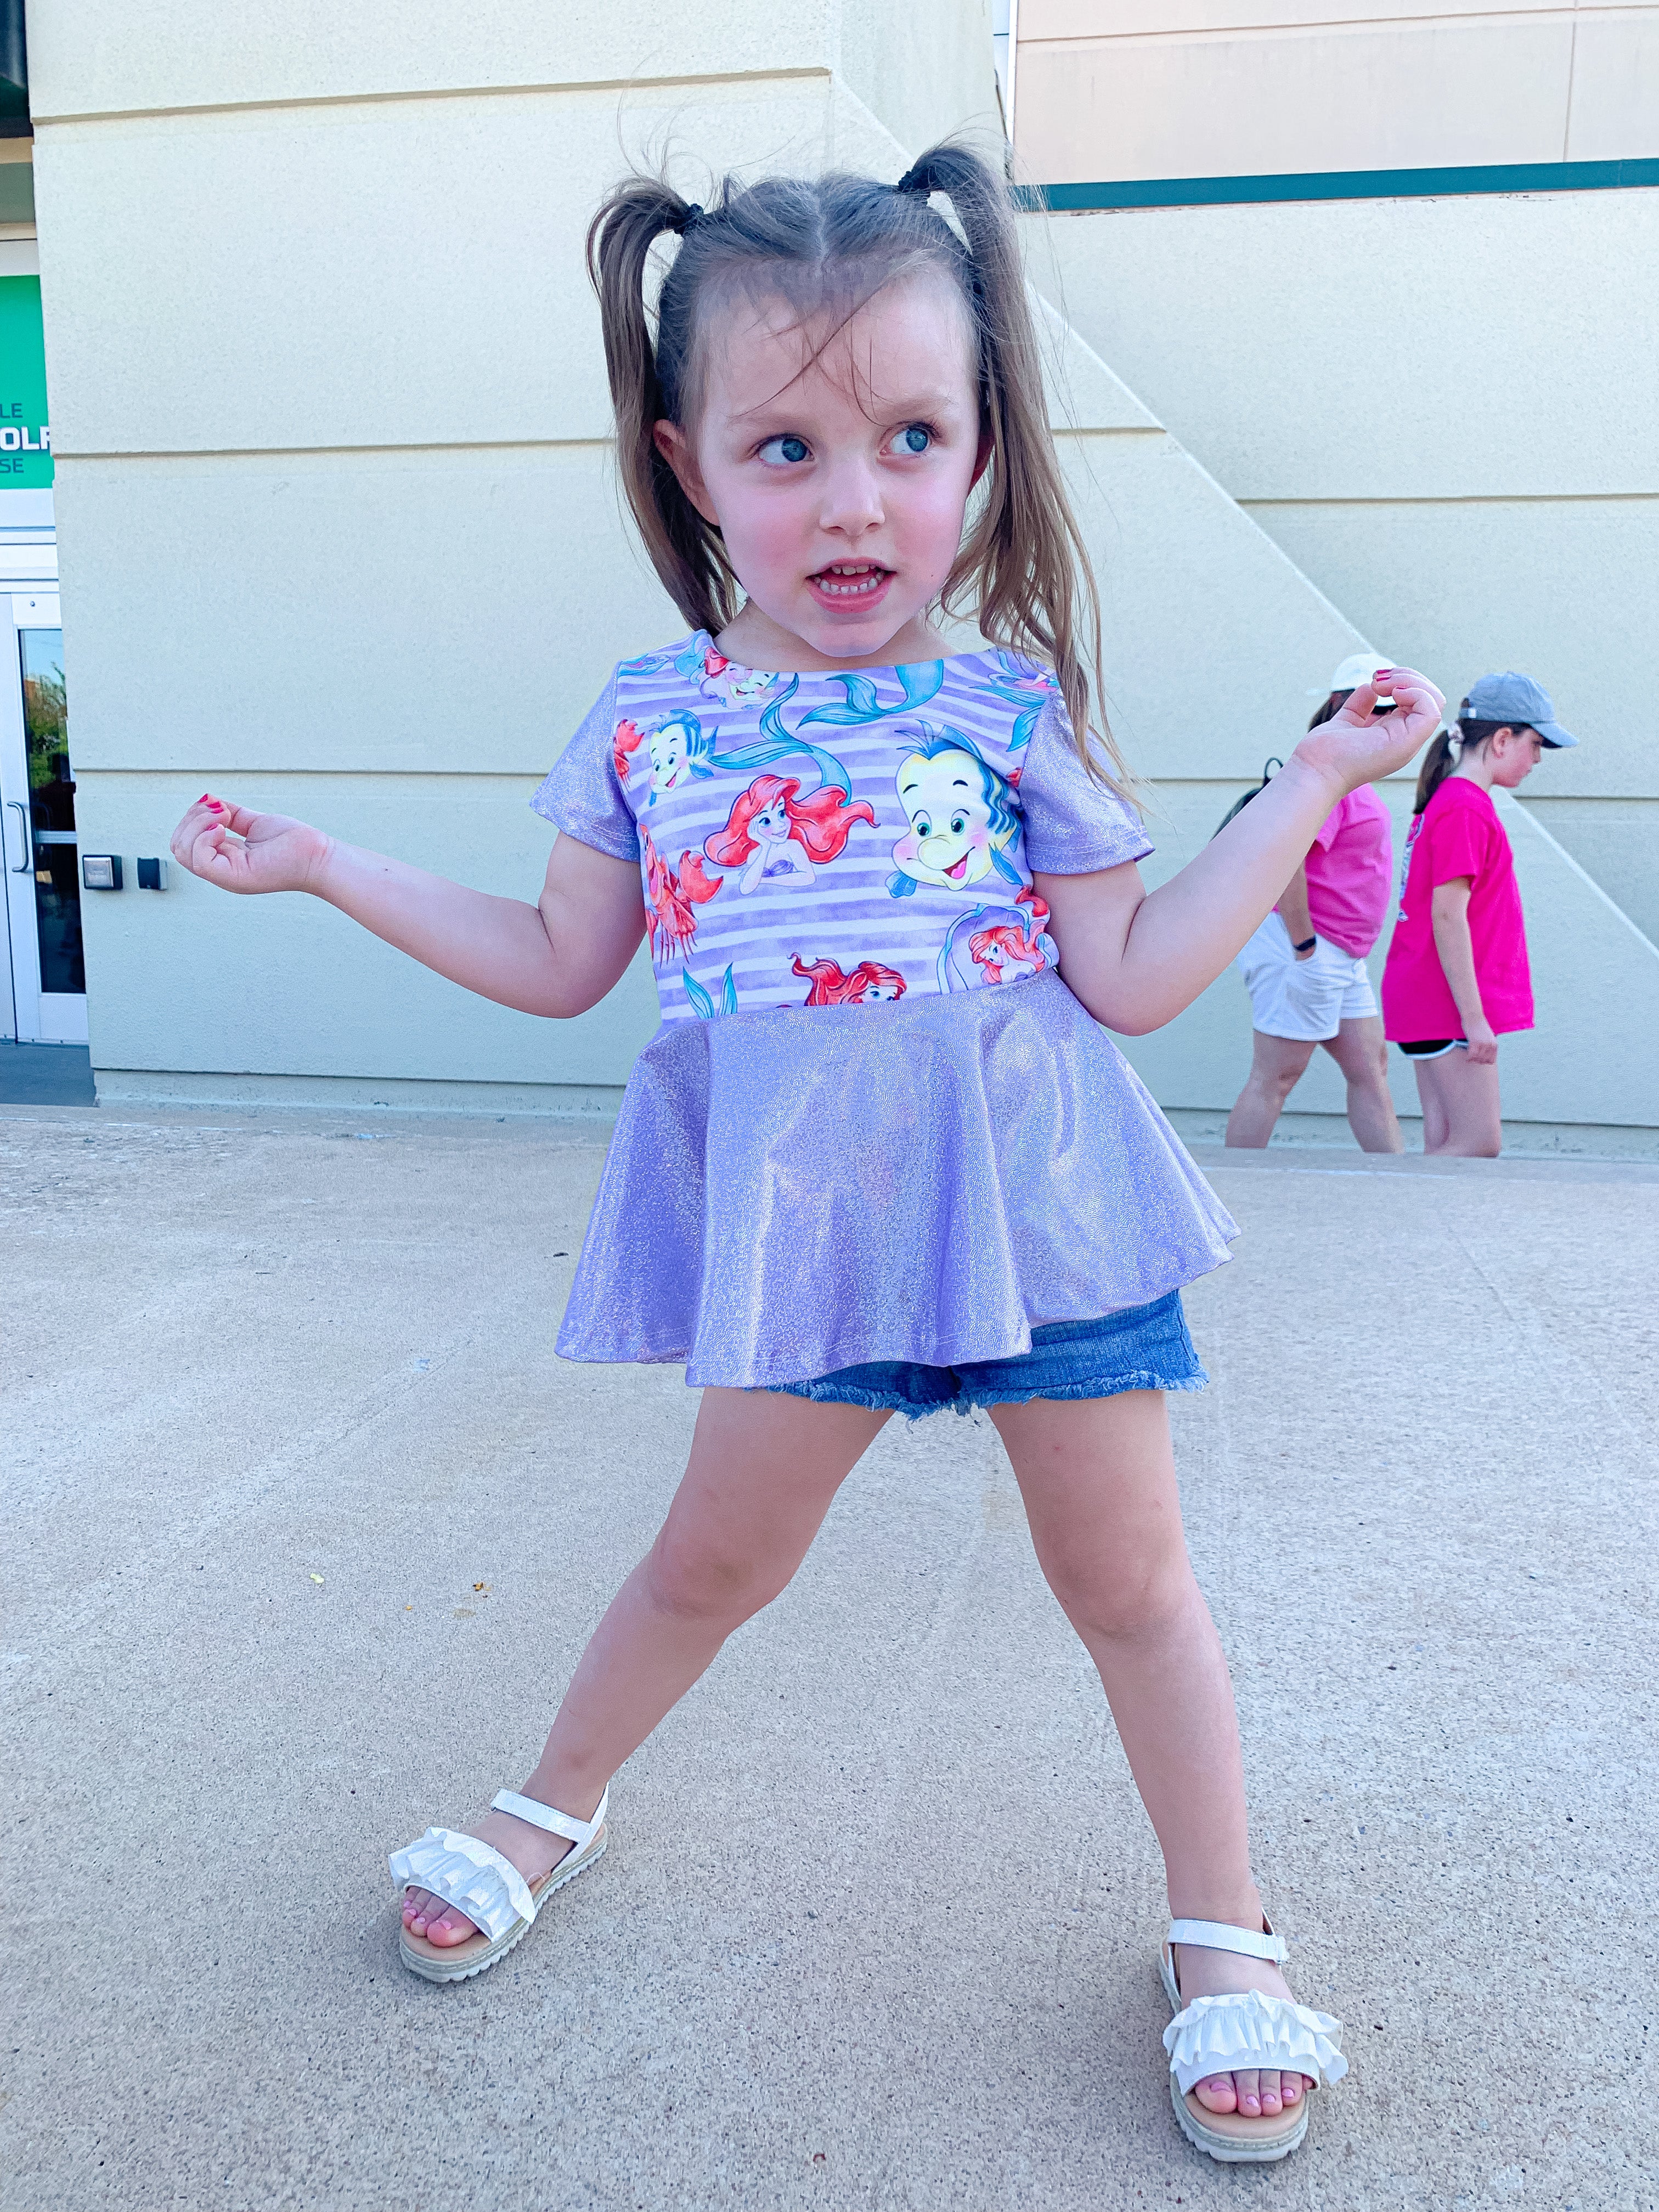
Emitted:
<point x="478" y="1880"/>
<point x="1223" y="2034"/>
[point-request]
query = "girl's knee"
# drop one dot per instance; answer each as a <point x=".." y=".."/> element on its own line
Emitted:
<point x="692" y="1581"/>
<point x="1127" y="1599"/>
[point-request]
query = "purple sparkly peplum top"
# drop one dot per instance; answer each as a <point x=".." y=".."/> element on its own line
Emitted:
<point x="875" y="1124"/>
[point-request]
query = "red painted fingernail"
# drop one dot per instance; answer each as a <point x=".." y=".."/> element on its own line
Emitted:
<point x="215" y="805"/>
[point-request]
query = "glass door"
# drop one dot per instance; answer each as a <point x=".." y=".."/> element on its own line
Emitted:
<point x="48" y="979"/>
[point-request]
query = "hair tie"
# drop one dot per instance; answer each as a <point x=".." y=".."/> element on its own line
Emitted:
<point x="684" y="223"/>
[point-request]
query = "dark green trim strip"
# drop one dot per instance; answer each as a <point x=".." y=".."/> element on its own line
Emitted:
<point x="1340" y="185"/>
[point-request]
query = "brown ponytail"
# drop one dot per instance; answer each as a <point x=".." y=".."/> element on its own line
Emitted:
<point x="1468" y="736"/>
<point x="826" y="247"/>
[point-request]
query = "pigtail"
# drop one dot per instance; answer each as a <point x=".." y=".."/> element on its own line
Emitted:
<point x="686" y="551"/>
<point x="1439" y="762"/>
<point x="1023" y="570"/>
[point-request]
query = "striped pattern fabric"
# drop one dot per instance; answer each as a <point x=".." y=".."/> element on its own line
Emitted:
<point x="837" y="839"/>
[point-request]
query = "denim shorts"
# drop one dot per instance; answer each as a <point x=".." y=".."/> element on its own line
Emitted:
<point x="1138" y="1348"/>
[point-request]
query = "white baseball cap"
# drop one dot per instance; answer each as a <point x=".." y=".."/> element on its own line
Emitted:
<point x="1358" y="668"/>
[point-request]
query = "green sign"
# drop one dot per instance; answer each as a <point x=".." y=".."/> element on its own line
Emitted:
<point x="24" y="439"/>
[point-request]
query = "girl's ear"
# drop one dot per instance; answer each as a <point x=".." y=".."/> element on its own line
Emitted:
<point x="680" y="455"/>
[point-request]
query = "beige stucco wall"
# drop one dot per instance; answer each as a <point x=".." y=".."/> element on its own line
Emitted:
<point x="1119" y="88"/>
<point x="338" y="528"/>
<point x="1470" y="497"/>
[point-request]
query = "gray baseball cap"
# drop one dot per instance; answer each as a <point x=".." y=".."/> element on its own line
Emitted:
<point x="1516" y="699"/>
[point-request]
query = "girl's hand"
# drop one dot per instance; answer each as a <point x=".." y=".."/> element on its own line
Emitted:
<point x="224" y="844"/>
<point x="1356" y="746"/>
<point x="1483" y="1044"/>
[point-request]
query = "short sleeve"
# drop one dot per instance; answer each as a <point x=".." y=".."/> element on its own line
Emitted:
<point x="1458" y="844"/>
<point x="582" y="795"/>
<point x="1074" y="824"/>
<point x="1332" y="826"/>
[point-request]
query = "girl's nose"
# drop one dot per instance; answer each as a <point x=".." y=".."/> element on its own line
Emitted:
<point x="852" y="499"/>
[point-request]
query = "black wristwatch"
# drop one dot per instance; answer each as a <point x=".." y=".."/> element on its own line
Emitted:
<point x="1306" y="946"/>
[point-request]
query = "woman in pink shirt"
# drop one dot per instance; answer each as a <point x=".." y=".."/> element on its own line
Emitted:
<point x="1456" y="977"/>
<point x="1305" y="966"/>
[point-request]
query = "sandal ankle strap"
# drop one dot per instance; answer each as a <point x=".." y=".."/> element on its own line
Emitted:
<point x="579" y="1833"/>
<point x="1221" y="1935"/>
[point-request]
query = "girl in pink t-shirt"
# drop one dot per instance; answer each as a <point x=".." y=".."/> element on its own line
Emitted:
<point x="1305" y="966"/>
<point x="1456" y="976"/>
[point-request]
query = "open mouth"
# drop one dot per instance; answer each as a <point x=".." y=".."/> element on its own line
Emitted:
<point x="960" y="869"/>
<point x="850" y="581"/>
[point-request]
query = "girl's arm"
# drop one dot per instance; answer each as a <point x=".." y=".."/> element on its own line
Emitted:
<point x="1449" y="914"/>
<point x="1293" y="911"/>
<point x="558" y="957"/>
<point x="1136" y="958"/>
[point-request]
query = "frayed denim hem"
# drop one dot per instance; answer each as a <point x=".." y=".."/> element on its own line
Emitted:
<point x="850" y="1393"/>
<point x="1112" y="1387"/>
<point x="965" y="1399"/>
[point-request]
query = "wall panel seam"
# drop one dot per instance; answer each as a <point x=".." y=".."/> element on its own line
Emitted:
<point x="1452" y="499"/>
<point x="1232" y="32"/>
<point x="62" y="453"/>
<point x="807" y="72"/>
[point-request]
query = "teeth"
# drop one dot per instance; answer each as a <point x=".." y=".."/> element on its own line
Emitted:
<point x="868" y="579"/>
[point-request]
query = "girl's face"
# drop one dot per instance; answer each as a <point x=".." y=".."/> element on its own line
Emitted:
<point x="839" y="485"/>
<point x="770" y="824"/>
<point x="1513" y="755"/>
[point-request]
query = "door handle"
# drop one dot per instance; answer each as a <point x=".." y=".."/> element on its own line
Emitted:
<point x="22" y="867"/>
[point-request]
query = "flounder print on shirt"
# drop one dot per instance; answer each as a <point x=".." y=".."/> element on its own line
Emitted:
<point x="837" y="839"/>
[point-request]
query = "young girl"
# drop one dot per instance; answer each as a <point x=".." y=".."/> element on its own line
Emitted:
<point x="1457" y="976"/>
<point x="1305" y="967"/>
<point x="832" y="369"/>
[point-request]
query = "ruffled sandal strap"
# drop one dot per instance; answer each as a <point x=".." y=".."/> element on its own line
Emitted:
<point x="1250" y="2030"/>
<point x="472" y="1876"/>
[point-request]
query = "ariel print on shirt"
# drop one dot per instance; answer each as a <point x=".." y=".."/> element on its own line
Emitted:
<point x="702" y="664"/>
<point x="772" y="832"/>
<point x="960" y="818"/>
<point x="997" y="945"/>
<point x="868" y="985"/>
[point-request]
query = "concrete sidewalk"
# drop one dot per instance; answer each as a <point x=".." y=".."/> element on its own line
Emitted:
<point x="310" y="1526"/>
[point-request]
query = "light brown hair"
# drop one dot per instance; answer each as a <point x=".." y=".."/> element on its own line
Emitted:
<point x="826" y="246"/>
<point x="1468" y="735"/>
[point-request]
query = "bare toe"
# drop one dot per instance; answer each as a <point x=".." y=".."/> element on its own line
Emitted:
<point x="1272" y="2103"/>
<point x="450" y="1927"/>
<point x="1248" y="2084"/>
<point x="1290" y="2089"/>
<point x="1216" y="2095"/>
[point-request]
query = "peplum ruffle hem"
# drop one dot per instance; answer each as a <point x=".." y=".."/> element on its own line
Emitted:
<point x="788" y="1193"/>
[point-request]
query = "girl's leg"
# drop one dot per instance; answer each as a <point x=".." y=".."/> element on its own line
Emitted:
<point x="1277" y="1066"/>
<point x="1360" y="1051"/>
<point x="763" y="1469"/>
<point x="1469" y="1123"/>
<point x="1430" y="1098"/>
<point x="1097" y="1476"/>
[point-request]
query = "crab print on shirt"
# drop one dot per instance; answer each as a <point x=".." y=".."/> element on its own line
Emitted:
<point x="840" y="839"/>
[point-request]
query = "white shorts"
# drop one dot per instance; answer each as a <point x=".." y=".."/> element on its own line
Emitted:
<point x="1307" y="999"/>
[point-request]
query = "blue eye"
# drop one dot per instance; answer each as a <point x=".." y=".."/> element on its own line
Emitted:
<point x="778" y="453"/>
<point x="915" y="439"/>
